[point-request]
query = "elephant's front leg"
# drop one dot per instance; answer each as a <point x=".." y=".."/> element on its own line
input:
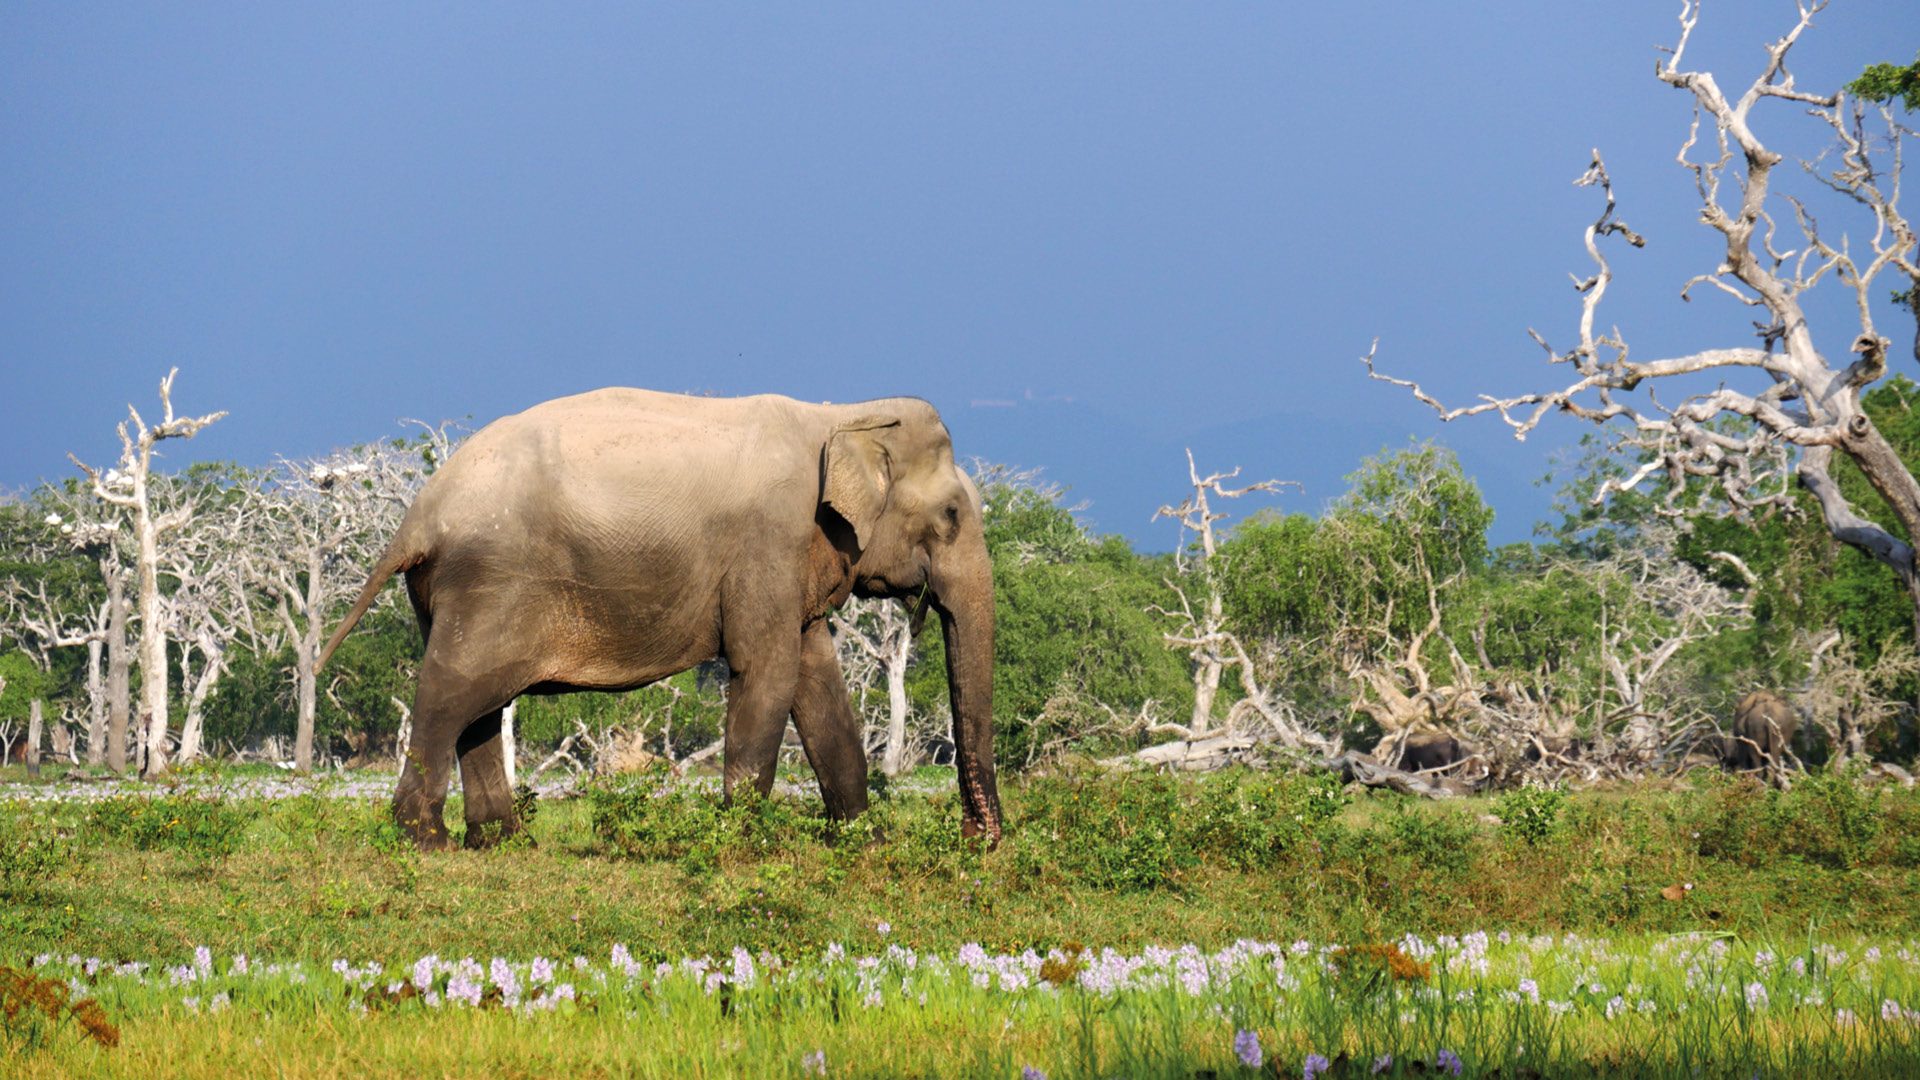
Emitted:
<point x="829" y="731"/>
<point x="766" y="666"/>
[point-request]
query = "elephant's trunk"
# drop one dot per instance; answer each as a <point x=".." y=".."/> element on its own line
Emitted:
<point x="963" y="591"/>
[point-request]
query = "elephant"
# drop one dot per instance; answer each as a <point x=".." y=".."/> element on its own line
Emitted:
<point x="614" y="538"/>
<point x="1431" y="750"/>
<point x="1764" y="725"/>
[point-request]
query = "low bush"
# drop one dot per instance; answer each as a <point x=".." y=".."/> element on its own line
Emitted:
<point x="1531" y="813"/>
<point x="207" y="826"/>
<point x="651" y="816"/>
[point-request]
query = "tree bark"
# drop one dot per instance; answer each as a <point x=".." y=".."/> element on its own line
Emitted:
<point x="897" y="658"/>
<point x="509" y="746"/>
<point x="96" y="702"/>
<point x="35" y="721"/>
<point x="199" y="691"/>
<point x="153" y="637"/>
<point x="306" y="651"/>
<point x="119" y="691"/>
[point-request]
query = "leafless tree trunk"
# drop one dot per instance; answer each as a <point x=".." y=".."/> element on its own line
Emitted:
<point x="96" y="702"/>
<point x="877" y="636"/>
<point x="35" y="721"/>
<point x="45" y="622"/>
<point x="128" y="487"/>
<point x="508" y="745"/>
<point x="119" y="682"/>
<point x="1801" y="403"/>
<point x="1203" y="633"/>
<point x="405" y="735"/>
<point x="316" y="528"/>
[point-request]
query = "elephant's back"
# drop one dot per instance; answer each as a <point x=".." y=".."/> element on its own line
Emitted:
<point x="594" y="487"/>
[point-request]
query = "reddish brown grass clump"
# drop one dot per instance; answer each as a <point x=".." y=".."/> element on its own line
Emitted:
<point x="31" y="1008"/>
<point x="1362" y="960"/>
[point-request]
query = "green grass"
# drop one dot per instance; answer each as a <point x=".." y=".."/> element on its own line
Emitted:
<point x="1122" y="863"/>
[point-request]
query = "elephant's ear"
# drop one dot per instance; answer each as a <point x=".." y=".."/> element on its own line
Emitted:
<point x="856" y="473"/>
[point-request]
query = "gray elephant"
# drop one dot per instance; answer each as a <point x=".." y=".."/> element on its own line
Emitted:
<point x="1764" y="725"/>
<point x="611" y="539"/>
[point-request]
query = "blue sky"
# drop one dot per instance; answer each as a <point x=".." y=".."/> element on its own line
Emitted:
<point x="1091" y="234"/>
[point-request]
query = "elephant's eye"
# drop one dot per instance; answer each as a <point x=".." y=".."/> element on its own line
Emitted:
<point x="953" y="521"/>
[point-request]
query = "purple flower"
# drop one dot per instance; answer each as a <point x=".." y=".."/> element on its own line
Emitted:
<point x="1448" y="1060"/>
<point x="1315" y="1065"/>
<point x="1246" y="1047"/>
<point x="815" y="1063"/>
<point x="883" y="928"/>
<point x="1381" y="1064"/>
<point x="463" y="987"/>
<point x="542" y="971"/>
<point x="1028" y="1072"/>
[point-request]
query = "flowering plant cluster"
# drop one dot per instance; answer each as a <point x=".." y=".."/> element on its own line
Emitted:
<point x="1294" y="1006"/>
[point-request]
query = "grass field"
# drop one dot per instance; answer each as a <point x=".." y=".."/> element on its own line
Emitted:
<point x="1708" y="929"/>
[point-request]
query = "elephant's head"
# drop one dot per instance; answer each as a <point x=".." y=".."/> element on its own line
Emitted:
<point x="913" y="524"/>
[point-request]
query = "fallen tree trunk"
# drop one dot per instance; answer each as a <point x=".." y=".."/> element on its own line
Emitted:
<point x="1220" y="751"/>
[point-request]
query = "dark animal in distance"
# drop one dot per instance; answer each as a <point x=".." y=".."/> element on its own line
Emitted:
<point x="1431" y="750"/>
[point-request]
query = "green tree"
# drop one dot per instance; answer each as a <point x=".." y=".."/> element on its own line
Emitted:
<point x="1073" y="635"/>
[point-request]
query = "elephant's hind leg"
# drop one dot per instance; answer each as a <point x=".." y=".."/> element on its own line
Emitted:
<point x="829" y="731"/>
<point x="483" y="783"/>
<point x="445" y="704"/>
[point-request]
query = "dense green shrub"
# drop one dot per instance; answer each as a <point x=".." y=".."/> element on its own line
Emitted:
<point x="1433" y="840"/>
<point x="1531" y="813"/>
<point x="650" y="816"/>
<point x="202" y="825"/>
<point x="1135" y="831"/>
<point x="1249" y="820"/>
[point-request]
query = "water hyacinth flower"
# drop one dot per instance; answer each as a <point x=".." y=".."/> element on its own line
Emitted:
<point x="1756" y="996"/>
<point x="814" y="1063"/>
<point x="1381" y="1064"/>
<point x="1314" y="1066"/>
<point x="1246" y="1047"/>
<point x="1449" y="1061"/>
<point x="463" y="988"/>
<point x="883" y="928"/>
<point x="1028" y="1072"/>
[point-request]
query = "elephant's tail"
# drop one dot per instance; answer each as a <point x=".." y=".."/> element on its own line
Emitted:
<point x="401" y="555"/>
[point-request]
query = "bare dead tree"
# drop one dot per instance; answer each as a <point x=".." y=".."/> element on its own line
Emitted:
<point x="130" y="487"/>
<point x="875" y="642"/>
<point x="80" y="523"/>
<point x="208" y="608"/>
<point x="315" y="526"/>
<point x="1802" y="407"/>
<point x="1847" y="699"/>
<point x="1203" y="631"/>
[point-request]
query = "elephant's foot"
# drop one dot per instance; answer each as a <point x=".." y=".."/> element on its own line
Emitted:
<point x="482" y="835"/>
<point x="425" y="826"/>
